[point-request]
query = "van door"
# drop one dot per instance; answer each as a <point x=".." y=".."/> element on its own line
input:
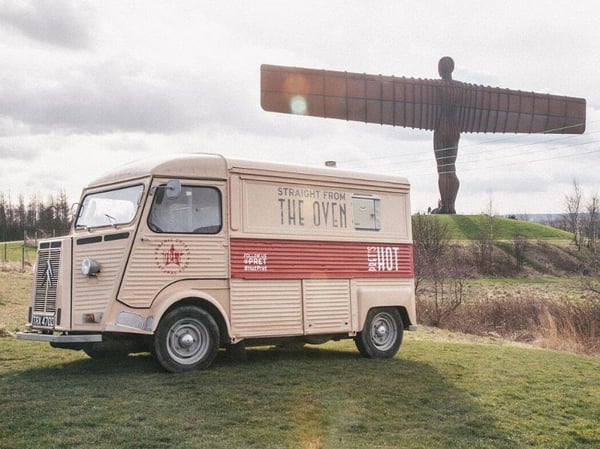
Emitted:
<point x="326" y="306"/>
<point x="182" y="235"/>
<point x="104" y="230"/>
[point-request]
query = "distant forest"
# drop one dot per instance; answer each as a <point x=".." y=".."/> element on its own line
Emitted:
<point x="37" y="217"/>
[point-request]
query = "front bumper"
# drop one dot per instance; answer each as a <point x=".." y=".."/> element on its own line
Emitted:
<point x="51" y="338"/>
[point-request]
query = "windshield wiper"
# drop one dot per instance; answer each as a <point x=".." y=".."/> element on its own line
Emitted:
<point x="112" y="220"/>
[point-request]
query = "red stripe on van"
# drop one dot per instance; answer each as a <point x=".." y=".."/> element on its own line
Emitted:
<point x="292" y="259"/>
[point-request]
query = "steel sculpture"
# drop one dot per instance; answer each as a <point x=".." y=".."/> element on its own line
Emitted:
<point x="444" y="106"/>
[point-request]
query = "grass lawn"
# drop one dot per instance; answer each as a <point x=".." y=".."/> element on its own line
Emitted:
<point x="469" y="227"/>
<point x="433" y="395"/>
<point x="439" y="392"/>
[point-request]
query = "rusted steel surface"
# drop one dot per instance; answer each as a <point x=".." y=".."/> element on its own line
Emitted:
<point x="417" y="103"/>
<point x="444" y="106"/>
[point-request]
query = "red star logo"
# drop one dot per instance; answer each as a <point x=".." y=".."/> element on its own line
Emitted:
<point x="172" y="257"/>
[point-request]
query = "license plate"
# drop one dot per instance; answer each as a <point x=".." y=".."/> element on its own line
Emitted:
<point x="42" y="321"/>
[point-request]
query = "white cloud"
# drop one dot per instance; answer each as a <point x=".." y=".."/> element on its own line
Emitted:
<point x="101" y="83"/>
<point x="61" y="23"/>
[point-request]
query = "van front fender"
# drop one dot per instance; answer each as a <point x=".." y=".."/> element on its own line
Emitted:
<point x="212" y="293"/>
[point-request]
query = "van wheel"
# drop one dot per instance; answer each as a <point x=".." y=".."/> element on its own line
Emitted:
<point x="382" y="334"/>
<point x="187" y="338"/>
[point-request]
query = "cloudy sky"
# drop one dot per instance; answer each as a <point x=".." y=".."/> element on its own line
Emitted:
<point x="86" y="86"/>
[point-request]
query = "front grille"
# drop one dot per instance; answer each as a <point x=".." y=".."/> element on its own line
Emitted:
<point x="46" y="277"/>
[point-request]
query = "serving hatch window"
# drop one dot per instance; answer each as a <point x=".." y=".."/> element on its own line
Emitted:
<point x="110" y="207"/>
<point x="367" y="212"/>
<point x="195" y="210"/>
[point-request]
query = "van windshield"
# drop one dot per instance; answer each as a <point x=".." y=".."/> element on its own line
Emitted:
<point x="109" y="208"/>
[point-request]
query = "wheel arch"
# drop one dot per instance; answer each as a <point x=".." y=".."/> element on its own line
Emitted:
<point x="165" y="302"/>
<point x="399" y="298"/>
<point x="405" y="318"/>
<point x="212" y="308"/>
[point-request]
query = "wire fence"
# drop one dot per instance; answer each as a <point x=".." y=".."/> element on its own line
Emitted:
<point x="20" y="252"/>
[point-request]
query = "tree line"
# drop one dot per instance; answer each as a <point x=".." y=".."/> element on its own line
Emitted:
<point x="37" y="217"/>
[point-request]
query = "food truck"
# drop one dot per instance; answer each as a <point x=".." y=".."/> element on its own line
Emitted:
<point x="184" y="256"/>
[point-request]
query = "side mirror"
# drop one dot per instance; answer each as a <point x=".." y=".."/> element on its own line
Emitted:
<point x="173" y="188"/>
<point x="73" y="210"/>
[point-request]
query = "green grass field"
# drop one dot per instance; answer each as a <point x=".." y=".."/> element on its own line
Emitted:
<point x="469" y="227"/>
<point x="432" y="395"/>
<point x="439" y="392"/>
<point x="13" y="252"/>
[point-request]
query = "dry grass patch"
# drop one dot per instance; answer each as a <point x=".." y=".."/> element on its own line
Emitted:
<point x="554" y="314"/>
<point x="14" y="300"/>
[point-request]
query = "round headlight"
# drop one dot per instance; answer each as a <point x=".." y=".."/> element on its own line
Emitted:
<point x="89" y="267"/>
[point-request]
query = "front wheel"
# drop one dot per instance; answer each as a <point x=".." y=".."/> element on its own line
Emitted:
<point x="187" y="338"/>
<point x="382" y="334"/>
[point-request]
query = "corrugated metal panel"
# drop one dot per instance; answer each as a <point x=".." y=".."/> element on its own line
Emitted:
<point x="326" y="306"/>
<point x="156" y="263"/>
<point x="266" y="308"/>
<point x="93" y="293"/>
<point x="286" y="259"/>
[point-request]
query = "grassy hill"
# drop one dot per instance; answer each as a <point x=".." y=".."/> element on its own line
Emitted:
<point x="544" y="250"/>
<point x="471" y="227"/>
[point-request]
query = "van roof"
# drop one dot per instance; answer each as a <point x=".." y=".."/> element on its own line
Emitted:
<point x="184" y="165"/>
<point x="216" y="166"/>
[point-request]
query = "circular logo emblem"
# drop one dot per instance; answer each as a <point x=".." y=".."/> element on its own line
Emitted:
<point x="172" y="256"/>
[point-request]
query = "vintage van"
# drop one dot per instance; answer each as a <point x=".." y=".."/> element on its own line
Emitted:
<point x="185" y="255"/>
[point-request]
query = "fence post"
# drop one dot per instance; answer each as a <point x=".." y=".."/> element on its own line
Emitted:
<point x="5" y="252"/>
<point x="23" y="256"/>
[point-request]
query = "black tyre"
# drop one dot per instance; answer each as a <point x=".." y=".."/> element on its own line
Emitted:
<point x="187" y="338"/>
<point x="382" y="334"/>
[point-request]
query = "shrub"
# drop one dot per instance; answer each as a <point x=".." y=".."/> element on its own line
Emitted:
<point x="572" y="326"/>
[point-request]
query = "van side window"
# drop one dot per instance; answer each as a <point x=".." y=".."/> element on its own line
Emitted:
<point x="367" y="212"/>
<point x="197" y="210"/>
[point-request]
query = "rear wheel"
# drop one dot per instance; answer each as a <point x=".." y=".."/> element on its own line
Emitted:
<point x="187" y="338"/>
<point x="382" y="334"/>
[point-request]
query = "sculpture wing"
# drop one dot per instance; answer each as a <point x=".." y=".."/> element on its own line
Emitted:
<point x="386" y="100"/>
<point x="496" y="110"/>
<point x="415" y="102"/>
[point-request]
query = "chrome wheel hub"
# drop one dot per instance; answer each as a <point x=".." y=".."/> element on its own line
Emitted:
<point x="186" y="340"/>
<point x="383" y="331"/>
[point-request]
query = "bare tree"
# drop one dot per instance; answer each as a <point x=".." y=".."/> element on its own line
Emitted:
<point x="439" y="263"/>
<point x="573" y="215"/>
<point x="592" y="221"/>
<point x="430" y="238"/>
<point x="591" y="283"/>
<point x="485" y="242"/>
<point x="520" y="244"/>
